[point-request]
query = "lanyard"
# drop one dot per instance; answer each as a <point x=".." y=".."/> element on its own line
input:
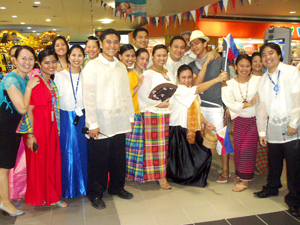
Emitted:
<point x="74" y="92"/>
<point x="62" y="66"/>
<point x="276" y="86"/>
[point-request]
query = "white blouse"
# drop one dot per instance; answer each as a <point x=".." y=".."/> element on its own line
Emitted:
<point x="181" y="101"/>
<point x="65" y="90"/>
<point x="283" y="109"/>
<point x="232" y="98"/>
<point x="151" y="80"/>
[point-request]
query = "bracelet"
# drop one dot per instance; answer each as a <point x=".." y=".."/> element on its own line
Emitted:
<point x="30" y="137"/>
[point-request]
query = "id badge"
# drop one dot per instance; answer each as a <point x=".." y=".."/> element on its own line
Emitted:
<point x="274" y="105"/>
<point x="78" y="111"/>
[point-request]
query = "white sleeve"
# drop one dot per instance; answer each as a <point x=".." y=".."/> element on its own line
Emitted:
<point x="127" y="92"/>
<point x="58" y="82"/>
<point x="228" y="98"/>
<point x="185" y="96"/>
<point x="295" y="91"/>
<point x="261" y="111"/>
<point x="89" y="86"/>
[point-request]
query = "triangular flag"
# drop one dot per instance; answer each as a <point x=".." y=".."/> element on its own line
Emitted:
<point x="148" y="19"/>
<point x="130" y="16"/>
<point x="153" y="20"/>
<point x="225" y="4"/>
<point x="121" y="14"/>
<point x="201" y="11"/>
<point x="143" y="18"/>
<point x="249" y="2"/>
<point x="206" y="9"/>
<point x="179" y="18"/>
<point x="182" y="15"/>
<point x="233" y="4"/>
<point x="193" y="12"/>
<point x="104" y="6"/>
<point x="198" y="14"/>
<point x="133" y="18"/>
<point x="221" y="5"/>
<point x="125" y="15"/>
<point x="215" y="5"/>
<point x="156" y="20"/>
<point x="162" y="20"/>
<point x="242" y="2"/>
<point x="139" y="20"/>
<point x="168" y="20"/>
<point x="188" y="14"/>
<point x="101" y="2"/>
<point x="174" y="18"/>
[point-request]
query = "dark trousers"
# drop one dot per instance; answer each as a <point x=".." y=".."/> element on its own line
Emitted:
<point x="277" y="153"/>
<point x="106" y="155"/>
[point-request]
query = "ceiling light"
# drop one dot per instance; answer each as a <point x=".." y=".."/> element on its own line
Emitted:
<point x="112" y="4"/>
<point x="28" y="28"/>
<point x="106" y="21"/>
<point x="38" y="33"/>
<point x="293" y="12"/>
<point x="33" y="31"/>
<point x="54" y="29"/>
<point x="2" y="7"/>
<point x="48" y="20"/>
<point x="37" y="3"/>
<point x="22" y="23"/>
<point x="14" y="16"/>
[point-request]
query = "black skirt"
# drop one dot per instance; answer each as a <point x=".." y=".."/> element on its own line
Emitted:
<point x="9" y="139"/>
<point x="188" y="164"/>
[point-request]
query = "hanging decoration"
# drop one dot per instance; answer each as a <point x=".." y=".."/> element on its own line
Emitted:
<point x="195" y="14"/>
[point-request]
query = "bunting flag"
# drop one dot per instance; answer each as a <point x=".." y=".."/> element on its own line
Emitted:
<point x="233" y="4"/>
<point x="225" y="4"/>
<point x="242" y="2"/>
<point x="215" y="6"/>
<point x="101" y="2"/>
<point x="156" y="21"/>
<point x="130" y="17"/>
<point x="179" y="18"/>
<point x="201" y="11"/>
<point x="193" y="12"/>
<point x="206" y="9"/>
<point x="148" y="20"/>
<point x="104" y="6"/>
<point x="183" y="15"/>
<point x="153" y="20"/>
<point x="168" y="20"/>
<point x="174" y="18"/>
<point x="188" y="14"/>
<point x="139" y="20"/>
<point x="221" y="5"/>
<point x="162" y="20"/>
<point x="198" y="14"/>
<point x="143" y="18"/>
<point x="249" y="2"/>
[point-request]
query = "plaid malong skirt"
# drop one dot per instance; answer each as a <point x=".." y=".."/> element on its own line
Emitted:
<point x="156" y="131"/>
<point x="135" y="150"/>
<point x="262" y="159"/>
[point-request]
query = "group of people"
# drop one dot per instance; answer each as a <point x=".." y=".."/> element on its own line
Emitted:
<point x="89" y="125"/>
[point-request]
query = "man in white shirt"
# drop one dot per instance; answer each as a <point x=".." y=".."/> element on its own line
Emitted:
<point x="109" y="114"/>
<point x="175" y="56"/>
<point x="278" y="123"/>
<point x="141" y="40"/>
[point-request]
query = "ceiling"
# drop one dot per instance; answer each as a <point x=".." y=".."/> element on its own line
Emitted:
<point x="74" y="17"/>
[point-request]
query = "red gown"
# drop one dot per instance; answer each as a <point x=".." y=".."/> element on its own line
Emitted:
<point x="43" y="167"/>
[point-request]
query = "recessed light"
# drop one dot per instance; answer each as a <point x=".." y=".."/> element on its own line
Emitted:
<point x="33" y="31"/>
<point x="22" y="23"/>
<point x="14" y="16"/>
<point x="48" y="20"/>
<point x="106" y="21"/>
<point x="38" y="33"/>
<point x="2" y="7"/>
<point x="54" y="29"/>
<point x="28" y="28"/>
<point x="292" y="12"/>
<point x="37" y="3"/>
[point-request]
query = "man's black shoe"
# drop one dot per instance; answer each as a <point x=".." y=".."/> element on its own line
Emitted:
<point x="98" y="203"/>
<point x="263" y="194"/>
<point x="294" y="211"/>
<point x="124" y="194"/>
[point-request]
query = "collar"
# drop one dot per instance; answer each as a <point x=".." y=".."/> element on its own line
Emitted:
<point x="170" y="60"/>
<point x="279" y="67"/>
<point x="106" y="62"/>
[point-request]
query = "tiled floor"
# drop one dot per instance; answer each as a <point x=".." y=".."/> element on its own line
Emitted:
<point x="215" y="204"/>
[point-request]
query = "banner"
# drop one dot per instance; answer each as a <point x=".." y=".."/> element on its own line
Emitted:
<point x="131" y="7"/>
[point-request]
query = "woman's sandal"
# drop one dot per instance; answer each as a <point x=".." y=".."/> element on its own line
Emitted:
<point x="165" y="185"/>
<point x="60" y="204"/>
<point x="239" y="188"/>
<point x="223" y="179"/>
<point x="236" y="179"/>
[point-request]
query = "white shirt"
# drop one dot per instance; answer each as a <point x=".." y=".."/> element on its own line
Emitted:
<point x="65" y="90"/>
<point x="106" y="97"/>
<point x="189" y="57"/>
<point x="173" y="66"/>
<point x="151" y="80"/>
<point x="232" y="98"/>
<point x="288" y="110"/>
<point x="182" y="101"/>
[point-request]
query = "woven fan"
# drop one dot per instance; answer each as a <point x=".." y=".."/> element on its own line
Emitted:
<point x="162" y="92"/>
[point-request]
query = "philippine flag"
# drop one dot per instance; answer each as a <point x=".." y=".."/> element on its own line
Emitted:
<point x="233" y="52"/>
<point x="223" y="136"/>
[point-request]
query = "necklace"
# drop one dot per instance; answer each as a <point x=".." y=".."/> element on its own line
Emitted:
<point x="162" y="71"/>
<point x="245" y="99"/>
<point x="47" y="84"/>
<point x="138" y="72"/>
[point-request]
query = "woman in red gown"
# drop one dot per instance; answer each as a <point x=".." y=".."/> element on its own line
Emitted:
<point x="44" y="165"/>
